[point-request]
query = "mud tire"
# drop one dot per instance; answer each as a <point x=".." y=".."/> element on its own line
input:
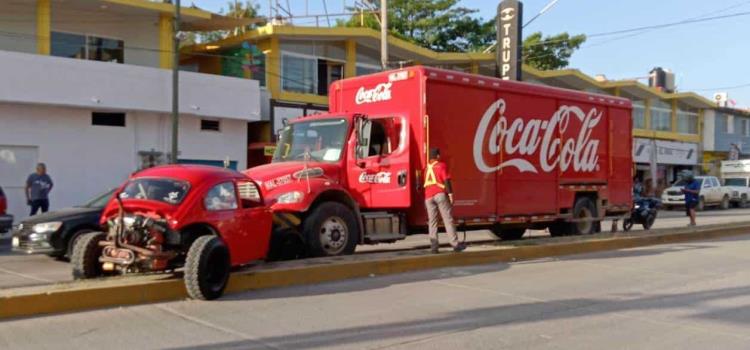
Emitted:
<point x="85" y="256"/>
<point x="207" y="268"/>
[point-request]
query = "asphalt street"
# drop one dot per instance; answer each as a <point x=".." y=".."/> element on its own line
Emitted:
<point x="18" y="270"/>
<point x="681" y="296"/>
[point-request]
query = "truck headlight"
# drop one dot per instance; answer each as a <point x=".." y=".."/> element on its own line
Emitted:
<point x="290" y="197"/>
<point x="47" y="227"/>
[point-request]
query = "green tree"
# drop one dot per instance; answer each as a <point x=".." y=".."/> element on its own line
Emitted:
<point x="235" y="9"/>
<point x="551" y="52"/>
<point x="440" y="25"/>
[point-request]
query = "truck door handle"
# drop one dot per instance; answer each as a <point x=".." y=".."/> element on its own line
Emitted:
<point x="402" y="178"/>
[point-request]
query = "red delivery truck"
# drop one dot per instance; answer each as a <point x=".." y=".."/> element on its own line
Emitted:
<point x="522" y="156"/>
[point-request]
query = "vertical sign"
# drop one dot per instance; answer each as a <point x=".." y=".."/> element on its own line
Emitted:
<point x="509" y="16"/>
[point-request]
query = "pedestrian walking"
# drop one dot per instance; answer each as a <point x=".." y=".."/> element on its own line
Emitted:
<point x="439" y="201"/>
<point x="692" y="191"/>
<point x="38" y="186"/>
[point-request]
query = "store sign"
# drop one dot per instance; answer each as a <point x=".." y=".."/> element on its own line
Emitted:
<point x="667" y="152"/>
<point x="508" y="50"/>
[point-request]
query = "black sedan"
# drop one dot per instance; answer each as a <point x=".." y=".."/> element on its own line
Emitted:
<point x="54" y="233"/>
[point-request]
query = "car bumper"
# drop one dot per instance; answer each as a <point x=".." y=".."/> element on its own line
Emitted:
<point x="672" y="200"/>
<point x="31" y="243"/>
<point x="6" y="223"/>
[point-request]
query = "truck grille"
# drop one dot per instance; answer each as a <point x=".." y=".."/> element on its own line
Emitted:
<point x="674" y="193"/>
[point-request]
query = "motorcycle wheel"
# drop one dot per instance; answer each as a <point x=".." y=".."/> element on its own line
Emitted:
<point x="649" y="221"/>
<point x="627" y="224"/>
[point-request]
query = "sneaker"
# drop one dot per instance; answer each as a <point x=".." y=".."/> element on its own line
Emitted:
<point x="459" y="248"/>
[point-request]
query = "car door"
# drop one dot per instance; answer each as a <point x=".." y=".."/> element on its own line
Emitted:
<point x="708" y="191"/>
<point x="718" y="189"/>
<point x="254" y="221"/>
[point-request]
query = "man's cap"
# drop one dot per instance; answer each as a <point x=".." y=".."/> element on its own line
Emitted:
<point x="434" y="152"/>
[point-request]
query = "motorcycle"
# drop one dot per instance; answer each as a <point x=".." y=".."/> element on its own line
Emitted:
<point x="644" y="212"/>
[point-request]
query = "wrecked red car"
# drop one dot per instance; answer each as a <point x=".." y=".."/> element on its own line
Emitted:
<point x="205" y="219"/>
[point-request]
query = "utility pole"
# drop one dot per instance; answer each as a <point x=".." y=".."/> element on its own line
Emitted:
<point x="175" y="82"/>
<point x="384" y="34"/>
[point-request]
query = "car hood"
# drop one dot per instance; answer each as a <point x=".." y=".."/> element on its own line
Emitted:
<point x="274" y="175"/>
<point x="62" y="215"/>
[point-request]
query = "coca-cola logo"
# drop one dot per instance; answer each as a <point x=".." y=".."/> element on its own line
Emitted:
<point x="382" y="177"/>
<point x="382" y="92"/>
<point x="542" y="137"/>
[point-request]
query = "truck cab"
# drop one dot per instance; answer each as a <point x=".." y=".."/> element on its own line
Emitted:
<point x="324" y="171"/>
<point x="736" y="177"/>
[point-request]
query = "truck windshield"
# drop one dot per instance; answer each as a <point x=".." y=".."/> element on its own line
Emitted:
<point x="322" y="140"/>
<point x="163" y="190"/>
<point x="735" y="182"/>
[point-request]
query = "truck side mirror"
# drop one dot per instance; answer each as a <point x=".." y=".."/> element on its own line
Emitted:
<point x="362" y="140"/>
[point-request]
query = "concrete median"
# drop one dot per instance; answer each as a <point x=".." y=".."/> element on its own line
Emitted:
<point x="121" y="291"/>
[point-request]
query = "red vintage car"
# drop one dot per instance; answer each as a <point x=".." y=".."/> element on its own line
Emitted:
<point x="205" y="219"/>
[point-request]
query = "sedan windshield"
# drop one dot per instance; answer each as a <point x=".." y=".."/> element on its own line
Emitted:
<point x="319" y="140"/>
<point x="163" y="190"/>
<point x="736" y="182"/>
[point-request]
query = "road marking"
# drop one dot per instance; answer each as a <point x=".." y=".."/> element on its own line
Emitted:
<point x="23" y="275"/>
<point x="217" y="327"/>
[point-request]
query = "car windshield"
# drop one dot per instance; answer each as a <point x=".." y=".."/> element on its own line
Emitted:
<point x="735" y="182"/>
<point x="322" y="140"/>
<point x="156" y="189"/>
<point x="100" y="201"/>
<point x="683" y="182"/>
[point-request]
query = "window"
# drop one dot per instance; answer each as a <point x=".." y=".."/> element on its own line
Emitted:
<point x="328" y="72"/>
<point x="745" y="127"/>
<point x="728" y="124"/>
<point x="108" y="119"/>
<point x="156" y="189"/>
<point x="298" y="74"/>
<point x="687" y="122"/>
<point x="383" y="136"/>
<point x="221" y="197"/>
<point x="639" y="115"/>
<point x="87" y="47"/>
<point x="661" y="116"/>
<point x="210" y="125"/>
<point x="367" y="69"/>
<point x="249" y="194"/>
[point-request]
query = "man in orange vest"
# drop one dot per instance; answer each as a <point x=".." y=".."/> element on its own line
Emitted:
<point x="438" y="195"/>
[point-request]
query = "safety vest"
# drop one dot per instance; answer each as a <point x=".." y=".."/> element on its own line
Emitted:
<point x="430" y="178"/>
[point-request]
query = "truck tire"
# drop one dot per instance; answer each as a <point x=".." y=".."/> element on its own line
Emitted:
<point x="286" y="244"/>
<point x="743" y="202"/>
<point x="507" y="234"/>
<point x="584" y="209"/>
<point x="331" y="230"/>
<point x="724" y="203"/>
<point x="207" y="268"/>
<point x="85" y="257"/>
<point x="559" y="228"/>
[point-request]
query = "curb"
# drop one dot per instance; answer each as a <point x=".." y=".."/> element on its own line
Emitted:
<point x="72" y="297"/>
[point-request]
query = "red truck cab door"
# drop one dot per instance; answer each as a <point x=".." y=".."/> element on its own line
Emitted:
<point x="380" y="171"/>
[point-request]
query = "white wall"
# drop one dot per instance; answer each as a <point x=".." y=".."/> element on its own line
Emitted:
<point x="45" y="80"/>
<point x="84" y="160"/>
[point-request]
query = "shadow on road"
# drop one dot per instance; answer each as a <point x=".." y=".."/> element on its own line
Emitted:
<point x="517" y="314"/>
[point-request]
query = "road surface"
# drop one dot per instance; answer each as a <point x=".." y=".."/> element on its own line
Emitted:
<point x="680" y="296"/>
<point x="22" y="270"/>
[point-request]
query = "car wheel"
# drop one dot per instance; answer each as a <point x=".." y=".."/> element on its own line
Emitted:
<point x="627" y="224"/>
<point x="743" y="202"/>
<point x="584" y="210"/>
<point x="207" y="268"/>
<point x="701" y="204"/>
<point x="331" y="230"/>
<point x="725" y="203"/>
<point x="85" y="257"/>
<point x="507" y="234"/>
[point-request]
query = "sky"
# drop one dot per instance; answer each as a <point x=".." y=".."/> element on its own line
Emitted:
<point x="706" y="57"/>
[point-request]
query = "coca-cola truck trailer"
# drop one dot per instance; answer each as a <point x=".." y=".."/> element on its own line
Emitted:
<point x="522" y="156"/>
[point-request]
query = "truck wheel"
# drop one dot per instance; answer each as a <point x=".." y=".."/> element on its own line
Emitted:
<point x="85" y="257"/>
<point x="331" y="229"/>
<point x="701" y="204"/>
<point x="207" y="268"/>
<point x="584" y="209"/>
<point x="743" y="202"/>
<point x="286" y="244"/>
<point x="725" y="203"/>
<point x="507" y="234"/>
